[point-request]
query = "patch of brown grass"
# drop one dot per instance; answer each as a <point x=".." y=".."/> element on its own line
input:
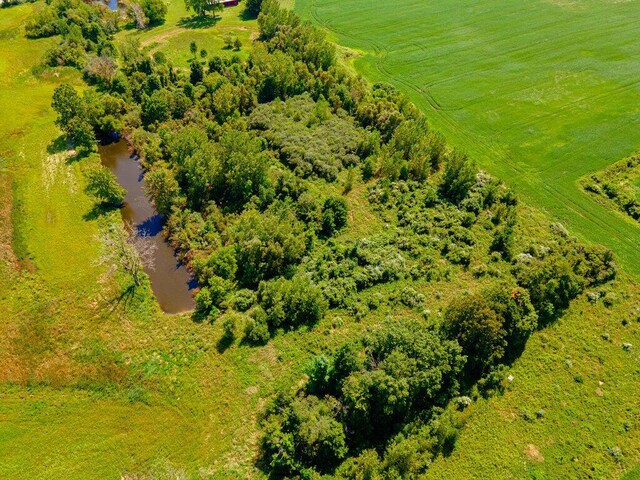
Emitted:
<point x="533" y="453"/>
<point x="7" y="257"/>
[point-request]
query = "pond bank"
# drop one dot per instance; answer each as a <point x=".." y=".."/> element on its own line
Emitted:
<point x="171" y="283"/>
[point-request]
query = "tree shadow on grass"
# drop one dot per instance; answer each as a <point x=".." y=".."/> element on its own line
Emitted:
<point x="58" y="145"/>
<point x="98" y="210"/>
<point x="119" y="302"/>
<point x="200" y="316"/>
<point x="79" y="155"/>
<point x="247" y="16"/>
<point x="225" y="342"/>
<point x="132" y="26"/>
<point x="61" y="145"/>
<point x="196" y="21"/>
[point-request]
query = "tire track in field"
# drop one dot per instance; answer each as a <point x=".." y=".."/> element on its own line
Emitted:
<point x="589" y="214"/>
<point x="329" y="27"/>
<point x="444" y="115"/>
<point x="556" y="39"/>
<point x="477" y="71"/>
<point x="598" y="96"/>
<point x="560" y="195"/>
<point x="491" y="149"/>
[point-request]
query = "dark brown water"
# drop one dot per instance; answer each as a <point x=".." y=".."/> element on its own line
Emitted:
<point x="170" y="280"/>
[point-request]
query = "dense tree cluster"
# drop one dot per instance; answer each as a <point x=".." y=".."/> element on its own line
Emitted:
<point x="11" y="3"/>
<point x="490" y="325"/>
<point x="72" y="117"/>
<point x="86" y="31"/>
<point x="246" y="160"/>
<point x="360" y="398"/>
<point x="328" y="144"/>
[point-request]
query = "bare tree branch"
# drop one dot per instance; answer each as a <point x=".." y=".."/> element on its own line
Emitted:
<point x="125" y="248"/>
<point x="138" y="14"/>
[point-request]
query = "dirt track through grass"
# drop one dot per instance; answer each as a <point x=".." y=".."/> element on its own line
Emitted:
<point x="540" y="93"/>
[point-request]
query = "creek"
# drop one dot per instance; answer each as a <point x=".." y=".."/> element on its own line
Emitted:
<point x="171" y="282"/>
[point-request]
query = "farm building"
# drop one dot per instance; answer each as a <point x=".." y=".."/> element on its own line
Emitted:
<point x="229" y="3"/>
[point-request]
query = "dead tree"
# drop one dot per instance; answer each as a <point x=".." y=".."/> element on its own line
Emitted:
<point x="127" y="249"/>
<point x="138" y="14"/>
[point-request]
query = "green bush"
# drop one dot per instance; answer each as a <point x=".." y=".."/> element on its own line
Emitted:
<point x="257" y="332"/>
<point x="304" y="433"/>
<point x="459" y="177"/>
<point x="291" y="303"/>
<point x="267" y="245"/>
<point x="103" y="185"/>
<point x="309" y="147"/>
<point x="409" y="369"/>
<point x="334" y="215"/>
<point x="243" y="300"/>
<point x="44" y="23"/>
<point x="155" y="11"/>
<point x="491" y="326"/>
<point x="551" y="283"/>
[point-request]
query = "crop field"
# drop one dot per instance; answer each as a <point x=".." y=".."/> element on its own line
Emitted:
<point x="540" y="93"/>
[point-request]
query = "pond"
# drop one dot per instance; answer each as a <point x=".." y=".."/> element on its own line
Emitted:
<point x="170" y="281"/>
<point x="113" y="4"/>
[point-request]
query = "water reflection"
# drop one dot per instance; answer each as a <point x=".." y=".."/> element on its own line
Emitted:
<point x="170" y="280"/>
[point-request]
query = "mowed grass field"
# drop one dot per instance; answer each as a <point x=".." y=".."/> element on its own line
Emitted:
<point x="540" y="93"/>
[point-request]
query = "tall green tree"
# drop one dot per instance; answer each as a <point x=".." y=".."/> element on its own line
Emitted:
<point x="459" y="177"/>
<point x="80" y="134"/>
<point x="102" y="185"/>
<point x="163" y="188"/>
<point x="252" y="7"/>
<point x="478" y="329"/>
<point x="155" y="11"/>
<point x="202" y="7"/>
<point x="67" y="104"/>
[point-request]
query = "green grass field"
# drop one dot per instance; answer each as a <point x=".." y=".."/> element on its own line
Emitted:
<point x="93" y="387"/>
<point x="539" y="93"/>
